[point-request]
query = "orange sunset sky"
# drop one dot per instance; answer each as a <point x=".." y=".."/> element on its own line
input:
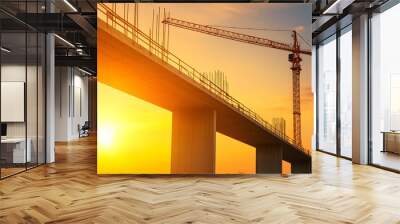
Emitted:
<point x="259" y="77"/>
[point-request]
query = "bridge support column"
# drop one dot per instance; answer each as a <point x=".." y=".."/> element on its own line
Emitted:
<point x="301" y="166"/>
<point x="193" y="141"/>
<point x="269" y="158"/>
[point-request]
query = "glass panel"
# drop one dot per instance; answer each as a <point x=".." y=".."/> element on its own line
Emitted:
<point x="385" y="84"/>
<point x="41" y="98"/>
<point x="13" y="90"/>
<point x="346" y="93"/>
<point x="31" y="98"/>
<point x="23" y="90"/>
<point x="32" y="88"/>
<point x="327" y="95"/>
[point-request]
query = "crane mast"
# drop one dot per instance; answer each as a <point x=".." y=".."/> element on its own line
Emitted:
<point x="296" y="68"/>
<point x="294" y="58"/>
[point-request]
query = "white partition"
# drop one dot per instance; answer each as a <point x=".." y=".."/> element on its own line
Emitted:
<point x="12" y="101"/>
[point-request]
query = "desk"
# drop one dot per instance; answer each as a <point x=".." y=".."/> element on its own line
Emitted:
<point x="16" y="153"/>
<point x="391" y="142"/>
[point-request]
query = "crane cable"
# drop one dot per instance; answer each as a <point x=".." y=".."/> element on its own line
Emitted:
<point x="248" y="28"/>
<point x="262" y="29"/>
<point x="304" y="39"/>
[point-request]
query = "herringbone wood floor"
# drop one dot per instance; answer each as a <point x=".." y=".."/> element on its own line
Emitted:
<point x="69" y="191"/>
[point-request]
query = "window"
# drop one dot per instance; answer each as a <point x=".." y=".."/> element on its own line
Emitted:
<point x="346" y="92"/>
<point x="327" y="95"/>
<point x="331" y="79"/>
<point x="394" y="102"/>
<point x="385" y="89"/>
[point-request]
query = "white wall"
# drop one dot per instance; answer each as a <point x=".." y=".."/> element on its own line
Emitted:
<point x="16" y="73"/>
<point x="62" y="82"/>
<point x="12" y="73"/>
<point x="71" y="102"/>
<point x="33" y="127"/>
<point x="80" y="110"/>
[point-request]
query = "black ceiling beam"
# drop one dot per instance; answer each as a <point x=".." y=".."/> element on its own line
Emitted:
<point x="50" y="22"/>
<point x="84" y="24"/>
<point x="11" y="25"/>
<point x="11" y="19"/>
<point x="77" y="61"/>
<point x="88" y="51"/>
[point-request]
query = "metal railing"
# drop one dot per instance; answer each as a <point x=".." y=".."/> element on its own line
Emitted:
<point x="143" y="40"/>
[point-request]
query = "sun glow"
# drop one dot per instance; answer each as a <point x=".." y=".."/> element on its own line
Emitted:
<point x="134" y="136"/>
<point x="105" y="136"/>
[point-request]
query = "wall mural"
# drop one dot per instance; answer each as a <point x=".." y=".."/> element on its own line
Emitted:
<point x="204" y="88"/>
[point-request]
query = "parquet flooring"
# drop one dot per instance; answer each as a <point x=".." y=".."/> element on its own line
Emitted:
<point x="69" y="191"/>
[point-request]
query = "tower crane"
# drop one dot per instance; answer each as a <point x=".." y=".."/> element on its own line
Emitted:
<point x="294" y="58"/>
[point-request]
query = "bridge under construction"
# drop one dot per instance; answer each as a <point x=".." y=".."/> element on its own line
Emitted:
<point x="199" y="107"/>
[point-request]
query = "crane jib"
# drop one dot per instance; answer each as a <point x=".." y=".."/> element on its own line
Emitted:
<point x="232" y="35"/>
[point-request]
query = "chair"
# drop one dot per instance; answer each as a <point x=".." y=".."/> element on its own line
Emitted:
<point x="84" y="130"/>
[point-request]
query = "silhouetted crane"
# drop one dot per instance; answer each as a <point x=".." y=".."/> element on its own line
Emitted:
<point x="294" y="58"/>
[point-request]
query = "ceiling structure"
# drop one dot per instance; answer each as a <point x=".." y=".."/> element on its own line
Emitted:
<point x="329" y="16"/>
<point x="75" y="22"/>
